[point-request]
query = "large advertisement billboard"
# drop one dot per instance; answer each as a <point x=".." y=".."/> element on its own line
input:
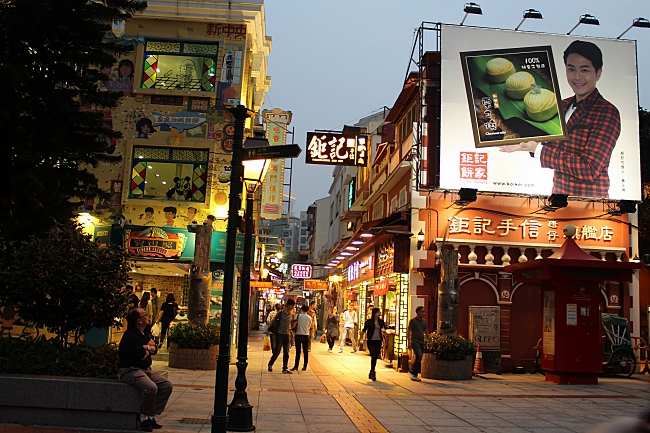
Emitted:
<point x="517" y="118"/>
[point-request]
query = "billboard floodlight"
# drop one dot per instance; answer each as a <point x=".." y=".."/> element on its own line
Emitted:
<point x="471" y="8"/>
<point x="586" y="19"/>
<point x="466" y="196"/>
<point x="638" y="22"/>
<point x="530" y="13"/>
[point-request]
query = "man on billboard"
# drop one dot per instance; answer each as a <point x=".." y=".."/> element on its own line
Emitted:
<point x="580" y="163"/>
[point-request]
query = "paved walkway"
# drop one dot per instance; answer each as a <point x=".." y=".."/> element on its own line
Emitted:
<point x="335" y="395"/>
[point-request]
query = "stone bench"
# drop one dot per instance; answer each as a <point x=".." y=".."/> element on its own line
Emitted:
<point x="68" y="402"/>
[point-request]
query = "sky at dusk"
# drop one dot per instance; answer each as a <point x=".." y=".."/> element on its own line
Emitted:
<point x="334" y="62"/>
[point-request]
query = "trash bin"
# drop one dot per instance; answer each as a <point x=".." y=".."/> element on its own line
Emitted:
<point x="404" y="362"/>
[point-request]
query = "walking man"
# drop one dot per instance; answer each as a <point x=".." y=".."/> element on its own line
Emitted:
<point x="135" y="352"/>
<point x="282" y="336"/>
<point x="314" y="323"/>
<point x="303" y="328"/>
<point x="415" y="340"/>
<point x="348" y="330"/>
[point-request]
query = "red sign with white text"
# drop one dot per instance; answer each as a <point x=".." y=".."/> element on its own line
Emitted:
<point x="300" y="271"/>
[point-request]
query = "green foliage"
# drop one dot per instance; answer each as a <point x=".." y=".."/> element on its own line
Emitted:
<point x="449" y="348"/>
<point x="192" y="335"/>
<point x="67" y="283"/>
<point x="51" y="54"/>
<point x="47" y="357"/>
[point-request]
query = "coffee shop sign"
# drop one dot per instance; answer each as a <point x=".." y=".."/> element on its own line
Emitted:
<point x="529" y="229"/>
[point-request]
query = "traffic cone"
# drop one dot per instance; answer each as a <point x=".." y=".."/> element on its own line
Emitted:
<point x="478" y="362"/>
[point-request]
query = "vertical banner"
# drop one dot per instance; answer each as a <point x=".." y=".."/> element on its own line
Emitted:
<point x="276" y="132"/>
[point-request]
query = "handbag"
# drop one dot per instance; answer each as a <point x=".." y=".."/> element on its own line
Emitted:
<point x="155" y="330"/>
<point x="323" y="338"/>
<point x="267" y="343"/>
<point x="273" y="327"/>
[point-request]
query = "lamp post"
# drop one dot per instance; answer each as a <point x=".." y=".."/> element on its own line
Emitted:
<point x="220" y="417"/>
<point x="240" y="411"/>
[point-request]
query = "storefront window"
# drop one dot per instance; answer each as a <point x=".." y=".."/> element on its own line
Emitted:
<point x="179" y="66"/>
<point x="160" y="173"/>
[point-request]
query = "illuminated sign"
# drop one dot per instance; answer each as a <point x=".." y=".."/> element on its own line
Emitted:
<point x="351" y="188"/>
<point x="300" y="271"/>
<point x="596" y="161"/>
<point x="327" y="148"/>
<point x="361" y="270"/>
<point x="316" y="285"/>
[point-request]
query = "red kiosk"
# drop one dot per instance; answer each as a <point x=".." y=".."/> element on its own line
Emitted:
<point x="571" y="322"/>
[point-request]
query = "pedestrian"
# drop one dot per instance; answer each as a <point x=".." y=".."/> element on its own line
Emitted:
<point x="269" y="320"/>
<point x="314" y="324"/>
<point x="348" y="330"/>
<point x="135" y="350"/>
<point x="374" y="330"/>
<point x="415" y="340"/>
<point x="284" y="319"/>
<point x="146" y="305"/>
<point x="303" y="329"/>
<point x="332" y="327"/>
<point x="156" y="302"/>
<point x="167" y="314"/>
<point x="133" y="297"/>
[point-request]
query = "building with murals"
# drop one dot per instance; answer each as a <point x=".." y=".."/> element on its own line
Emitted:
<point x="440" y="176"/>
<point x="191" y="62"/>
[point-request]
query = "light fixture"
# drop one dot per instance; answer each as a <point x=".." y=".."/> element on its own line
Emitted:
<point x="366" y="234"/>
<point x="335" y="278"/>
<point x="636" y="259"/>
<point x="555" y="202"/>
<point x="623" y="206"/>
<point x="327" y="267"/>
<point x="340" y="257"/>
<point x="420" y="239"/>
<point x="471" y="8"/>
<point x="357" y="242"/>
<point x="530" y="13"/>
<point x="352" y="248"/>
<point x="466" y="196"/>
<point x="335" y="261"/>
<point x="279" y="255"/>
<point x="345" y="253"/>
<point x="637" y="22"/>
<point x="585" y="19"/>
<point x="265" y="272"/>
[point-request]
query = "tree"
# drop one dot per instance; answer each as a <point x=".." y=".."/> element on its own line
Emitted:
<point x="644" y="206"/>
<point x="66" y="282"/>
<point x="51" y="53"/>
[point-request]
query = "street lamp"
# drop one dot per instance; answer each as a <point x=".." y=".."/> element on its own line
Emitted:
<point x="638" y="22"/>
<point x="220" y="416"/>
<point x="530" y="13"/>
<point x="240" y="412"/>
<point x="585" y="19"/>
<point x="420" y="239"/>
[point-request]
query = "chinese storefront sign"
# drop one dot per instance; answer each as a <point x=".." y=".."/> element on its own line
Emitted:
<point x="327" y="148"/>
<point x="300" y="271"/>
<point x="316" y="285"/>
<point x="276" y="132"/>
<point x="226" y="31"/>
<point x="473" y="165"/>
<point x="361" y="269"/>
<point x="530" y="229"/>
<point x="381" y="287"/>
<point x="182" y="120"/>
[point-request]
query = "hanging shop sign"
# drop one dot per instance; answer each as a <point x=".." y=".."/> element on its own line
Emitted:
<point x="393" y="256"/>
<point x="276" y="121"/>
<point x="381" y="287"/>
<point x="326" y="148"/>
<point x="261" y="285"/>
<point x="316" y="285"/>
<point x="300" y="271"/>
<point x="361" y="269"/>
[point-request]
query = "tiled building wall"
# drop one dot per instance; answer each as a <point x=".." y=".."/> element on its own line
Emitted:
<point x="165" y="285"/>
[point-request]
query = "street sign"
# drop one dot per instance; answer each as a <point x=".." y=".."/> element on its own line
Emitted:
<point x="272" y="152"/>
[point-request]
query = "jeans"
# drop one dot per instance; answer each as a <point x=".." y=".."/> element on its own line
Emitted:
<point x="281" y="343"/>
<point x="155" y="388"/>
<point x="418" y="349"/>
<point x="374" y="347"/>
<point x="348" y="333"/>
<point x="302" y="343"/>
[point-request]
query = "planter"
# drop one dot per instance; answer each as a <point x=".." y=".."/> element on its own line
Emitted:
<point x="433" y="368"/>
<point x="193" y="359"/>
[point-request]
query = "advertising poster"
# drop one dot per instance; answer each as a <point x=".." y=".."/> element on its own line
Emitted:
<point x="513" y="96"/>
<point x="598" y="158"/>
<point x="548" y="336"/>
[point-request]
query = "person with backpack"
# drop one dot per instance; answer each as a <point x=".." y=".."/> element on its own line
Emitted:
<point x="280" y="327"/>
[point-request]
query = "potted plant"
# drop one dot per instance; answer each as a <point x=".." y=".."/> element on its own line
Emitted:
<point x="193" y="346"/>
<point x="448" y="357"/>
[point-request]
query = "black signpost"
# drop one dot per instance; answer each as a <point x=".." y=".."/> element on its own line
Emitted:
<point x="272" y="152"/>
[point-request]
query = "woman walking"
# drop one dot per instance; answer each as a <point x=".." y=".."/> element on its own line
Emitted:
<point x="332" y="327"/>
<point x="374" y="330"/>
<point x="303" y="324"/>
<point x="146" y="306"/>
<point x="168" y="312"/>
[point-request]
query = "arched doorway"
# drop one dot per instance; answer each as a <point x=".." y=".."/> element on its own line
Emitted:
<point x="473" y="292"/>
<point x="525" y="325"/>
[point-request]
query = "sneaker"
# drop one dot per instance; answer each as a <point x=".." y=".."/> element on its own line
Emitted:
<point x="341" y="351"/>
<point x="415" y="378"/>
<point x="286" y="372"/>
<point x="329" y="350"/>
<point x="270" y="369"/>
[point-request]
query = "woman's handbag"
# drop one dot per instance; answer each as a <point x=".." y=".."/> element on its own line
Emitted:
<point x="267" y="343"/>
<point x="155" y="329"/>
<point x="323" y="338"/>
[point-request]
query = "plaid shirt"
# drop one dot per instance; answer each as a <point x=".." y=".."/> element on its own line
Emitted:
<point x="581" y="162"/>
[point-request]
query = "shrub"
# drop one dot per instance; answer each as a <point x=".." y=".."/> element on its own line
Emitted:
<point x="192" y="335"/>
<point x="449" y="348"/>
<point x="47" y="357"/>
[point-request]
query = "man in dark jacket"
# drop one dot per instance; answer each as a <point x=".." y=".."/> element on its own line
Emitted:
<point x="135" y="353"/>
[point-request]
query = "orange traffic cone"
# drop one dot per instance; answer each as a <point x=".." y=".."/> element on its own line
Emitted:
<point x="478" y="362"/>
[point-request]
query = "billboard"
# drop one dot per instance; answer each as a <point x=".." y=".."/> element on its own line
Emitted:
<point x="328" y="148"/>
<point x="526" y="143"/>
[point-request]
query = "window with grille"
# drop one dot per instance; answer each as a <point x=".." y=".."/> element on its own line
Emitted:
<point x="162" y="173"/>
<point x="405" y="125"/>
<point x="180" y="66"/>
<point x="378" y="210"/>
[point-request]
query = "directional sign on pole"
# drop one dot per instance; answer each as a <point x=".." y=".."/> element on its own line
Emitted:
<point x="272" y="152"/>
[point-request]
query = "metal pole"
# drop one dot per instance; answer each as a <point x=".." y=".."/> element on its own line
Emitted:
<point x="240" y="412"/>
<point x="220" y="417"/>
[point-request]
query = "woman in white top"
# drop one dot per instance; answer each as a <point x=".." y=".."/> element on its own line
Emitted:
<point x="303" y="325"/>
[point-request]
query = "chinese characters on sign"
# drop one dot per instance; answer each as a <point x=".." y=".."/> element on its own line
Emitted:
<point x="300" y="271"/>
<point x="276" y="126"/>
<point x="530" y="229"/>
<point x="473" y="165"/>
<point x="226" y="31"/>
<point x="335" y="149"/>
